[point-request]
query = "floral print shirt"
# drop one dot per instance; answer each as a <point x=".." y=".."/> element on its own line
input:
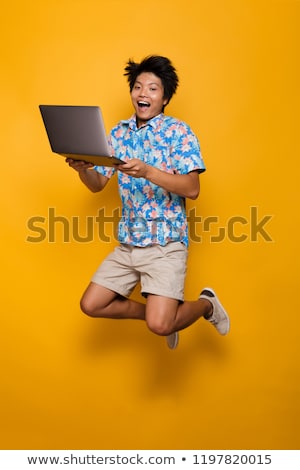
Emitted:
<point x="150" y="214"/>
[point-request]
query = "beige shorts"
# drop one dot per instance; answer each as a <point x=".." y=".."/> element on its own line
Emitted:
<point x="161" y="270"/>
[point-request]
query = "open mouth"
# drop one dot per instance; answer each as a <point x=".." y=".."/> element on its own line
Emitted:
<point x="143" y="104"/>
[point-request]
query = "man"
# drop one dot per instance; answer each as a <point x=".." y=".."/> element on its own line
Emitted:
<point x="162" y="166"/>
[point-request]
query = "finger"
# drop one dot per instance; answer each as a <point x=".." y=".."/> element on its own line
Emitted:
<point x="127" y="166"/>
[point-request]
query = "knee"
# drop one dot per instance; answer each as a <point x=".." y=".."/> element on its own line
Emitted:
<point x="87" y="307"/>
<point x="160" y="327"/>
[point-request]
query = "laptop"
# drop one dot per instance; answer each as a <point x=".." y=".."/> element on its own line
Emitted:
<point x="78" y="132"/>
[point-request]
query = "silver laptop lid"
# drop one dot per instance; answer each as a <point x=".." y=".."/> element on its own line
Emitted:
<point x="78" y="132"/>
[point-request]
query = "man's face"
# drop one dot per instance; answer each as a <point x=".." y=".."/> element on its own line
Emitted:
<point x="147" y="97"/>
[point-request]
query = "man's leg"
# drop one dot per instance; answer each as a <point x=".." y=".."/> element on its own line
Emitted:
<point x="98" y="301"/>
<point x="165" y="316"/>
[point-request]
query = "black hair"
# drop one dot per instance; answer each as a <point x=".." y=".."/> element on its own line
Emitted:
<point x="160" y="66"/>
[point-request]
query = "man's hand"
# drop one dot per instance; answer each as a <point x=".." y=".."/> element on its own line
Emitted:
<point x="135" y="168"/>
<point x="186" y="185"/>
<point x="78" y="165"/>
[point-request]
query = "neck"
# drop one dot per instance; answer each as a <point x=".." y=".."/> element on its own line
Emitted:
<point x="143" y="122"/>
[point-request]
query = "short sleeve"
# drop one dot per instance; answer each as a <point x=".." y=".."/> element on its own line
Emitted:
<point x="186" y="152"/>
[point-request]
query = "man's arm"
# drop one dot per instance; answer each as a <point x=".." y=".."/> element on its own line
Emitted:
<point x="187" y="186"/>
<point x="93" y="180"/>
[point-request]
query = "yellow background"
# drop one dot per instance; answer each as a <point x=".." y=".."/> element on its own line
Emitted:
<point x="72" y="382"/>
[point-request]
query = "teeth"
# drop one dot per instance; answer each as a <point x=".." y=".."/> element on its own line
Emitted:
<point x="143" y="103"/>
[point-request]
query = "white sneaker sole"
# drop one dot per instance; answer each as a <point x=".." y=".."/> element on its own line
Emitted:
<point x="172" y="340"/>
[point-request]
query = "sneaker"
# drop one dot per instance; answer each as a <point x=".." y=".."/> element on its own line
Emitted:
<point x="219" y="318"/>
<point x="172" y="340"/>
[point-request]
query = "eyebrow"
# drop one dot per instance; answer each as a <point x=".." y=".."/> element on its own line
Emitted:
<point x="152" y="83"/>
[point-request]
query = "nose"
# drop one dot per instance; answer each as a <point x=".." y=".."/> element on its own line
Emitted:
<point x="143" y="93"/>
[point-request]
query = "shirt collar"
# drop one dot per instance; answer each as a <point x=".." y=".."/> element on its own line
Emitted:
<point x="154" y="122"/>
